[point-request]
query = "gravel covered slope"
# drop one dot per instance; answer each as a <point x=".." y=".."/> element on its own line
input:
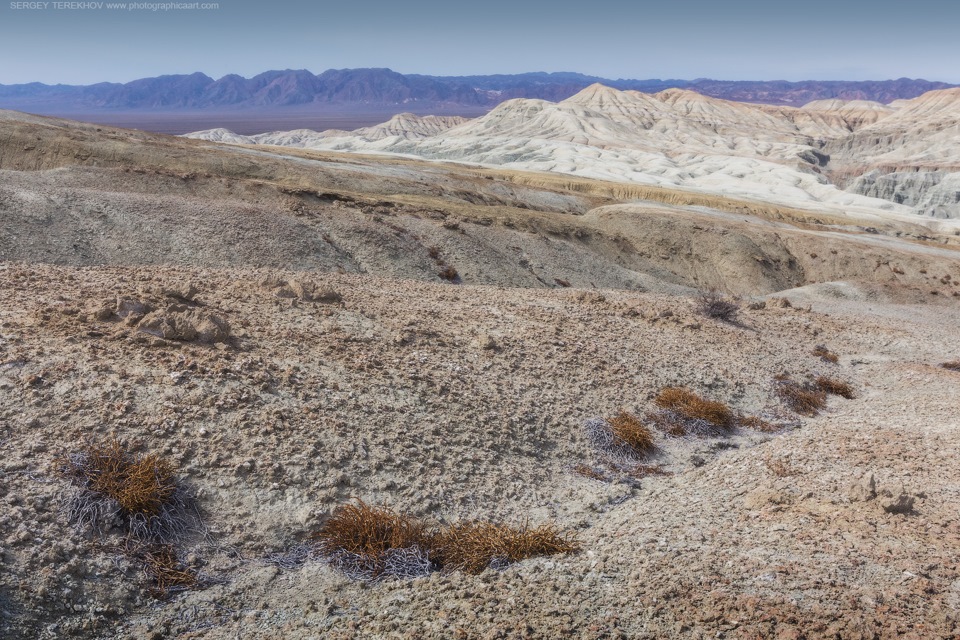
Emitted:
<point x="453" y="402"/>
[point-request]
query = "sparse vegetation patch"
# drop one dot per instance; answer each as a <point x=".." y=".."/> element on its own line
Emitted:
<point x="471" y="547"/>
<point x="373" y="543"/>
<point x="169" y="575"/>
<point x="108" y="482"/>
<point x="715" y="305"/>
<point x="366" y="542"/>
<point x="623" y="437"/>
<point x="952" y="366"/>
<point x="835" y="387"/>
<point x="110" y="486"/>
<point x="683" y="412"/>
<point x="804" y="398"/>
<point x="825" y="354"/>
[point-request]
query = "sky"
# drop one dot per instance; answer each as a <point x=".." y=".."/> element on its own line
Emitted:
<point x="88" y="42"/>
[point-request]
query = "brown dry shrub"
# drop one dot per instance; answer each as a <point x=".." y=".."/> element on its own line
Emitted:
<point x="139" y="485"/>
<point x="449" y="274"/>
<point x="952" y="366"/>
<point x="372" y="542"/>
<point x="365" y="535"/>
<point x="690" y="406"/>
<point x="587" y="471"/>
<point x="472" y="547"/>
<point x="835" y="387"/>
<point x="757" y="424"/>
<point x="108" y="480"/>
<point x="825" y="354"/>
<point x="645" y="470"/>
<point x="161" y="564"/>
<point x="628" y="429"/>
<point x="804" y="399"/>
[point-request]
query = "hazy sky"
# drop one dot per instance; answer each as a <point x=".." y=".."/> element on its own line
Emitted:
<point x="732" y="39"/>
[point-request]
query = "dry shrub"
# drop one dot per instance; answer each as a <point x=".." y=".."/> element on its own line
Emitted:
<point x="757" y="424"/>
<point x="449" y="274"/>
<point x="669" y="423"/>
<point x="685" y="412"/>
<point x="372" y="543"/>
<point x="161" y="564"/>
<point x="361" y="540"/>
<point x="628" y="429"/>
<point x="952" y="366"/>
<point x="108" y="481"/>
<point x="472" y="547"/>
<point x="623" y="437"/>
<point x="835" y="387"/>
<point x="713" y="304"/>
<point x="805" y="399"/>
<point x="587" y="471"/>
<point x="645" y="470"/>
<point x="825" y="354"/>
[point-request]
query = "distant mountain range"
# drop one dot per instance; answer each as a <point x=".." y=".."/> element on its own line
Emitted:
<point x="379" y="88"/>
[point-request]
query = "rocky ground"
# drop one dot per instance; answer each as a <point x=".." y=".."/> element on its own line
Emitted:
<point x="296" y="330"/>
<point x="454" y="402"/>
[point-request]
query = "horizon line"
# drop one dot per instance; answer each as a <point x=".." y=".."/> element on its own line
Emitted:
<point x="522" y="73"/>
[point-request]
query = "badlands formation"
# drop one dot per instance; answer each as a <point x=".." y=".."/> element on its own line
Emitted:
<point x="827" y="153"/>
<point x="295" y="328"/>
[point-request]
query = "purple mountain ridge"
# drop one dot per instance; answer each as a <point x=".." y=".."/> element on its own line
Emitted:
<point x="386" y="88"/>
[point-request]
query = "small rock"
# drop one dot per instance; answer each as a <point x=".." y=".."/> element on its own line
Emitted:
<point x="864" y="489"/>
<point x="103" y="313"/>
<point x="486" y="342"/>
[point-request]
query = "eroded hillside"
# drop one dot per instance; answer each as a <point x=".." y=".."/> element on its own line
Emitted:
<point x="81" y="195"/>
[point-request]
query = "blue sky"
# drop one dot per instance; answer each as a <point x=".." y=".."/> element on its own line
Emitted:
<point x="733" y="39"/>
